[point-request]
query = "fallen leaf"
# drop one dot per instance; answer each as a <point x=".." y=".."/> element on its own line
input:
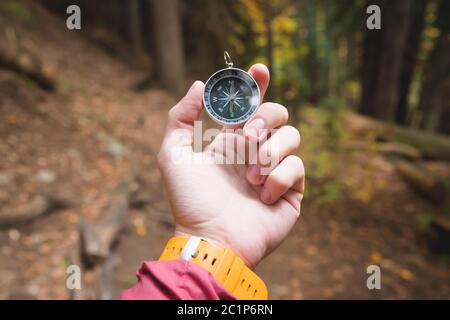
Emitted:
<point x="406" y="275"/>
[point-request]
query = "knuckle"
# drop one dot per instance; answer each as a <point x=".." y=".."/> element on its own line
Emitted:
<point x="276" y="108"/>
<point x="279" y="182"/>
<point x="161" y="158"/>
<point x="172" y="112"/>
<point x="270" y="153"/>
<point x="265" y="155"/>
<point x="281" y="110"/>
<point x="292" y="131"/>
<point x="295" y="161"/>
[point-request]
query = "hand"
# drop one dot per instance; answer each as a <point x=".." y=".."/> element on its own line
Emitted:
<point x="234" y="205"/>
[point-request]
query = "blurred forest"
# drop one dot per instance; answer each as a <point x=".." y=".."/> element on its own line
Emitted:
<point x="319" y="52"/>
<point x="82" y="114"/>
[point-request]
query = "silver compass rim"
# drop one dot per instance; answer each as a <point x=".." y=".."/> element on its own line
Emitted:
<point x="234" y="124"/>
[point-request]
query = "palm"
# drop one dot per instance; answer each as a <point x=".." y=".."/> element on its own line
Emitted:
<point x="216" y="200"/>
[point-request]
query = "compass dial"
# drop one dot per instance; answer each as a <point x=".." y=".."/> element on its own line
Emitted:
<point x="231" y="96"/>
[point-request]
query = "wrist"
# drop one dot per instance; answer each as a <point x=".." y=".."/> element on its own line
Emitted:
<point x="221" y="262"/>
<point x="219" y="240"/>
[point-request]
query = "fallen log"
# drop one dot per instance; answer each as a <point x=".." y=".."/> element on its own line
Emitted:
<point x="424" y="181"/>
<point x="97" y="239"/>
<point x="23" y="65"/>
<point x="398" y="150"/>
<point x="39" y="205"/>
<point x="431" y="146"/>
<point x="389" y="149"/>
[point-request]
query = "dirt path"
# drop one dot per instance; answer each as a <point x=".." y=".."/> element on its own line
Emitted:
<point x="79" y="142"/>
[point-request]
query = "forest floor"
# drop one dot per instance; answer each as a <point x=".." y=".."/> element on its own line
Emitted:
<point x="82" y="140"/>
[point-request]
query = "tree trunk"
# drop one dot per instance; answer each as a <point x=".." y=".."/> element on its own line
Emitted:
<point x="169" y="56"/>
<point x="410" y="54"/>
<point x="134" y="24"/>
<point x="434" y="99"/>
<point x="313" y="64"/>
<point x="271" y="93"/>
<point x="381" y="80"/>
<point x="370" y="66"/>
<point x="444" y="127"/>
<point x="394" y="40"/>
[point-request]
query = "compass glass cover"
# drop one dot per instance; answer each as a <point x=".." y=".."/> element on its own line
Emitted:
<point x="231" y="96"/>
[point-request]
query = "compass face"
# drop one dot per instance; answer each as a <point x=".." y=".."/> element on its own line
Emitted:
<point x="231" y="96"/>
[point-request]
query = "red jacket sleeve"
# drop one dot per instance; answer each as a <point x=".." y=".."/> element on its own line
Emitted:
<point x="175" y="279"/>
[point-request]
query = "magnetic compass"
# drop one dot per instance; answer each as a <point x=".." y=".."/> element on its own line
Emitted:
<point x="231" y="95"/>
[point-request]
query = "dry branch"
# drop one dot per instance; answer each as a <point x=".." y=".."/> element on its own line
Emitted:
<point x="105" y="278"/>
<point x="97" y="239"/>
<point x="23" y="65"/>
<point x="74" y="258"/>
<point x="38" y="206"/>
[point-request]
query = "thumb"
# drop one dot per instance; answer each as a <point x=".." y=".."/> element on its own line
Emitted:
<point x="180" y="125"/>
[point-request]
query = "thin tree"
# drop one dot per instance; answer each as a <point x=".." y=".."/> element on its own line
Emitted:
<point x="134" y="24"/>
<point x="382" y="60"/>
<point x="168" y="44"/>
<point x="410" y="55"/>
<point x="434" y="100"/>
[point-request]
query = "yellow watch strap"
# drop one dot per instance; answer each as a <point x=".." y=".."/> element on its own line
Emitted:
<point x="227" y="267"/>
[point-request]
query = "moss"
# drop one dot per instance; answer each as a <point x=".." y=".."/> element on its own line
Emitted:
<point x="424" y="221"/>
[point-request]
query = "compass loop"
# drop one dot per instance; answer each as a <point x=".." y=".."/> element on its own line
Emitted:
<point x="227" y="59"/>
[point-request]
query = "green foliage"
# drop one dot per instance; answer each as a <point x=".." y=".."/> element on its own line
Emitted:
<point x="423" y="221"/>
<point x="330" y="192"/>
<point x="311" y="44"/>
<point x="16" y="10"/>
<point x="322" y="128"/>
<point x="321" y="165"/>
<point x="332" y="104"/>
<point x="430" y="34"/>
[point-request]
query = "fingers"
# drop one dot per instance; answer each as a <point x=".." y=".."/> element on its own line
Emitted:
<point x="287" y="176"/>
<point x="188" y="109"/>
<point x="267" y="117"/>
<point x="183" y="115"/>
<point x="262" y="76"/>
<point x="284" y="142"/>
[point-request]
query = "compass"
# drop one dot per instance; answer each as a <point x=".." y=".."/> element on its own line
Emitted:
<point x="231" y="95"/>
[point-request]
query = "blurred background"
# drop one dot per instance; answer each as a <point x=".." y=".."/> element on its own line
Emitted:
<point x="82" y="114"/>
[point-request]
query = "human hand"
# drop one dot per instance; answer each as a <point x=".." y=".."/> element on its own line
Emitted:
<point x="234" y="205"/>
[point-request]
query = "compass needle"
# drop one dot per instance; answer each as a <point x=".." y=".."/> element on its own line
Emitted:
<point x="225" y="104"/>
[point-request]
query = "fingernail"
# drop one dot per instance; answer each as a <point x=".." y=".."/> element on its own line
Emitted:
<point x="266" y="196"/>
<point x="252" y="129"/>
